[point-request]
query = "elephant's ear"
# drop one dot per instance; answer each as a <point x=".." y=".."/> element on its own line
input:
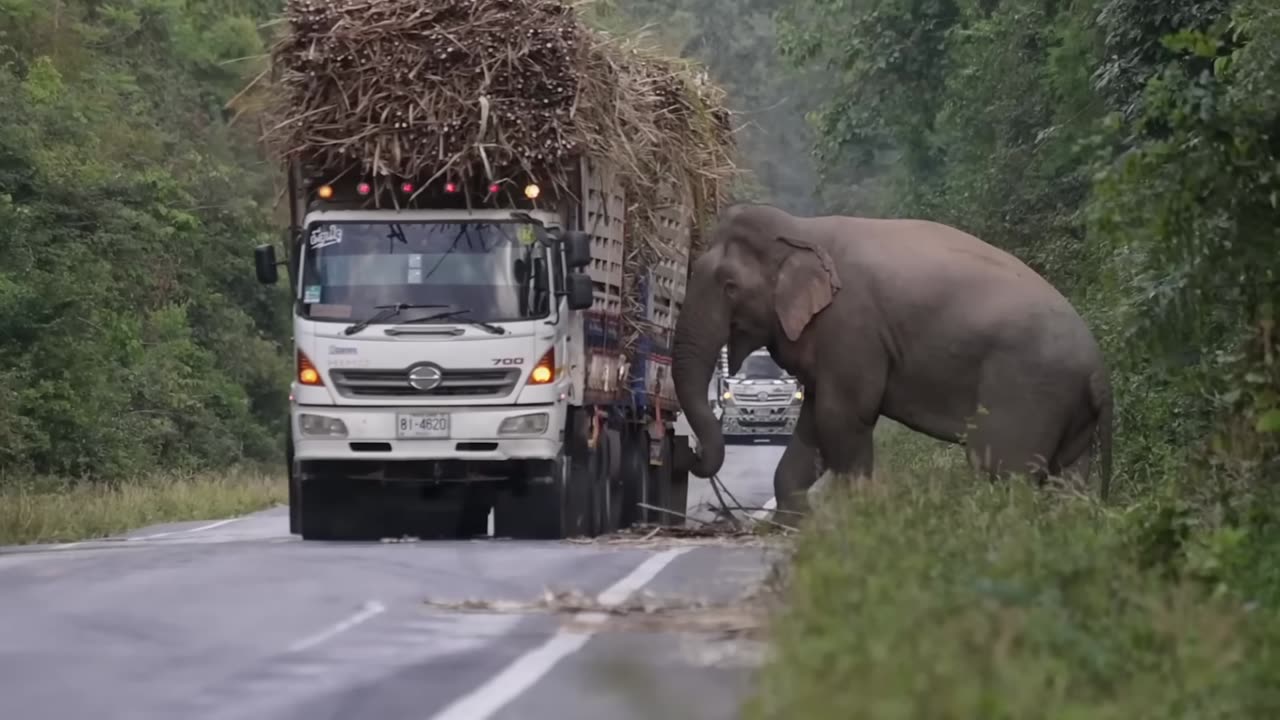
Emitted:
<point x="807" y="281"/>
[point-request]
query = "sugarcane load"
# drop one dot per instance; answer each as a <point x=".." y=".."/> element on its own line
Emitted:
<point x="492" y="207"/>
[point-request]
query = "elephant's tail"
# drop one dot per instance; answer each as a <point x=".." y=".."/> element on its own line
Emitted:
<point x="1100" y="396"/>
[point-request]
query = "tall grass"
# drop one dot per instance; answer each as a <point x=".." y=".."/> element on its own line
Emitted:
<point x="936" y="595"/>
<point x="42" y="510"/>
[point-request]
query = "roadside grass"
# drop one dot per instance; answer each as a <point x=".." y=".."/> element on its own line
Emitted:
<point x="44" y="510"/>
<point x="929" y="593"/>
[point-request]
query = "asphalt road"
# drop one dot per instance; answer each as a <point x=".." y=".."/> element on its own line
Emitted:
<point x="238" y="619"/>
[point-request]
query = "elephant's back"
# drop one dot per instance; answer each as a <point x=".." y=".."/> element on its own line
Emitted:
<point x="930" y="274"/>
<point x="930" y="255"/>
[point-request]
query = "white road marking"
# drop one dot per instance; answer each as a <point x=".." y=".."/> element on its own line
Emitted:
<point x="761" y="514"/>
<point x="520" y="675"/>
<point x="370" y="609"/>
<point x="210" y="526"/>
<point x="202" y="528"/>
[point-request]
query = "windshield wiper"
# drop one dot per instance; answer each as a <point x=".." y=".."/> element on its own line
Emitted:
<point x="385" y="312"/>
<point x="495" y="329"/>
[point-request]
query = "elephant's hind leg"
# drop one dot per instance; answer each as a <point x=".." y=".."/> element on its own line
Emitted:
<point x="1024" y="418"/>
<point x="1074" y="456"/>
<point x="1013" y="444"/>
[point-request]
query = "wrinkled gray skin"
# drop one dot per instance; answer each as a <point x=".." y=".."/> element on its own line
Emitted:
<point x="909" y="319"/>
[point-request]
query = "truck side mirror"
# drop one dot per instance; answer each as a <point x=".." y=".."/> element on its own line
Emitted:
<point x="264" y="258"/>
<point x="577" y="249"/>
<point x="581" y="295"/>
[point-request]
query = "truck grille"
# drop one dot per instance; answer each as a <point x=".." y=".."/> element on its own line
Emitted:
<point x="455" y="383"/>
<point x="745" y="396"/>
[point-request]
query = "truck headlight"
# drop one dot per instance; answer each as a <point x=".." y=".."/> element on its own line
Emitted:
<point x="535" y="424"/>
<point x="319" y="425"/>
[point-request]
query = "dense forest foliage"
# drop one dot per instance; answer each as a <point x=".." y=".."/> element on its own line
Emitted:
<point x="132" y="334"/>
<point x="1127" y="150"/>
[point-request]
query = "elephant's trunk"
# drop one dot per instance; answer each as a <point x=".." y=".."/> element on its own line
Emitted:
<point x="701" y="330"/>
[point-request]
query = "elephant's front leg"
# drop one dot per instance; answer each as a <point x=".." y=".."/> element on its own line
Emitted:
<point x="845" y="440"/>
<point x="798" y="468"/>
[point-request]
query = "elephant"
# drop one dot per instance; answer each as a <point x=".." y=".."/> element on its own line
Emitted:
<point x="908" y="319"/>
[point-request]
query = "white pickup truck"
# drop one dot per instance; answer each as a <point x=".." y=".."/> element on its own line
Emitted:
<point x="760" y="403"/>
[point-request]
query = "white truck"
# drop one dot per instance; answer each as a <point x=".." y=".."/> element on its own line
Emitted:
<point x="761" y="402"/>
<point x="459" y="353"/>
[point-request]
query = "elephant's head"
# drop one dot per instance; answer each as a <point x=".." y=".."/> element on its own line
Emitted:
<point x="761" y="282"/>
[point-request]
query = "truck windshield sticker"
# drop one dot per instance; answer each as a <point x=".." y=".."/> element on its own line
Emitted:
<point x="415" y="260"/>
<point x="326" y="236"/>
<point x="311" y="294"/>
<point x="415" y="275"/>
<point x="525" y="234"/>
<point x="336" y="312"/>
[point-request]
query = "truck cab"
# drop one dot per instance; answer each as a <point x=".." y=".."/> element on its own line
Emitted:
<point x="761" y="403"/>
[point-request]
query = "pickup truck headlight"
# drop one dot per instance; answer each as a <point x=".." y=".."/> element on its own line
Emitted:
<point x="535" y="424"/>
<point x="321" y="426"/>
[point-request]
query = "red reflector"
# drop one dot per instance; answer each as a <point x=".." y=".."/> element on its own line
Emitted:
<point x="406" y="188"/>
<point x="364" y="188"/>
<point x="451" y="187"/>
<point x="493" y="189"/>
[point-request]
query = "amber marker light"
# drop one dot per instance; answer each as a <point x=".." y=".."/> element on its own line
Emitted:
<point x="307" y="373"/>
<point x="544" y="372"/>
<point x="532" y="191"/>
<point x="325" y="192"/>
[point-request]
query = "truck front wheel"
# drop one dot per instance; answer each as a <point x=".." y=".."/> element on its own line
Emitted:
<point x="555" y="500"/>
<point x="295" y="526"/>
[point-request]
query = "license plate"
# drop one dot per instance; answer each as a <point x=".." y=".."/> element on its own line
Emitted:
<point x="422" y="425"/>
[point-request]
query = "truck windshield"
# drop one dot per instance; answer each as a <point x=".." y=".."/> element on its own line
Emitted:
<point x="760" y="367"/>
<point x="497" y="271"/>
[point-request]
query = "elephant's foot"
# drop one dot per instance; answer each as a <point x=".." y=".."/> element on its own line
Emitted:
<point x="819" y="491"/>
<point x="791" y="509"/>
<point x="828" y="484"/>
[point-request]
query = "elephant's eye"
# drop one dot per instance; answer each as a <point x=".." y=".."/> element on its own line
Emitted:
<point x="730" y="288"/>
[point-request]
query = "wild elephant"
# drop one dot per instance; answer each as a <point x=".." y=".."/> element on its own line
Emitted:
<point x="907" y="319"/>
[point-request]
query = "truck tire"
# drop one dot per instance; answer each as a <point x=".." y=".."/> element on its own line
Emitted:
<point x="551" y="505"/>
<point x="293" y="470"/>
<point x="325" y="508"/>
<point x="608" y="483"/>
<point x="636" y="478"/>
<point x="555" y="500"/>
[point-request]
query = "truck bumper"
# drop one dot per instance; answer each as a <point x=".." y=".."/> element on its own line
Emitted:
<point x="759" y="420"/>
<point x="473" y="434"/>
